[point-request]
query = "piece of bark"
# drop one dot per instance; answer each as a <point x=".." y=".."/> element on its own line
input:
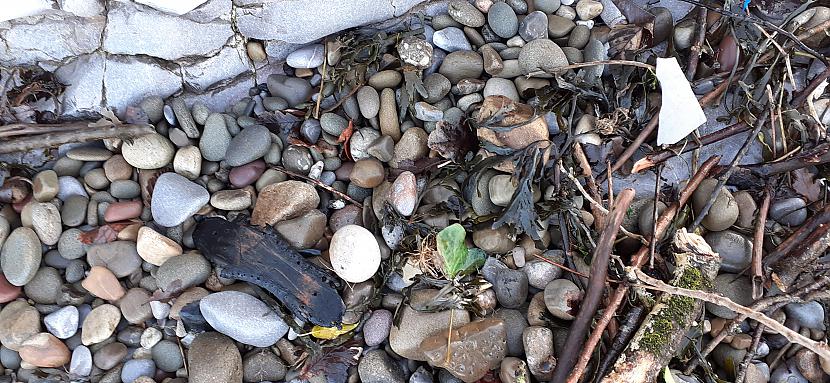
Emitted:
<point x="665" y="327"/>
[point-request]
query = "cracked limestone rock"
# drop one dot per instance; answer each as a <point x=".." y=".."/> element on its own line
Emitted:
<point x="162" y="35"/>
<point x="227" y="64"/>
<point x="85" y="78"/>
<point x="178" y="7"/>
<point x="128" y="80"/>
<point x="49" y="39"/>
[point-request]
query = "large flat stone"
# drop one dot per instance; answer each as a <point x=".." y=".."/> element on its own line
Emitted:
<point x="289" y="20"/>
<point x="49" y="38"/>
<point x="127" y="80"/>
<point x="131" y="30"/>
<point x="227" y="64"/>
<point x="178" y="7"/>
<point x="16" y="9"/>
<point x="83" y="8"/>
<point x="84" y="77"/>
<point x="211" y="10"/>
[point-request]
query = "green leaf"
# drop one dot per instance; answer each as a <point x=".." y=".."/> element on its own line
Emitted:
<point x="452" y="248"/>
<point x="667" y="377"/>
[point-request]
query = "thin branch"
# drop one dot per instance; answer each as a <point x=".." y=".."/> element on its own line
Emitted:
<point x="821" y="349"/>
<point x="582" y="160"/>
<point x="48" y="136"/>
<point x="758" y="247"/>
<point x="700" y="38"/>
<point x="661" y="156"/>
<point x="319" y="184"/>
<point x="590" y="303"/>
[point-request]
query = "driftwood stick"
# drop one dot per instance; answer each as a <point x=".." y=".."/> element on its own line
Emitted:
<point x="582" y="160"/>
<point x="820" y="348"/>
<point x="55" y="135"/>
<point x="590" y="303"/>
<point x="665" y="327"/>
<point x="758" y="247"/>
<point x="788" y="269"/>
<point x="661" y="156"/>
<point x="700" y="38"/>
<point x="799" y="236"/>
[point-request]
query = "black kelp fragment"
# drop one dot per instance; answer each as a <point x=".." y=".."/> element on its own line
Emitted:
<point x="262" y="257"/>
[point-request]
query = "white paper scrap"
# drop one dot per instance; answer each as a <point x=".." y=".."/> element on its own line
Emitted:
<point x="680" y="113"/>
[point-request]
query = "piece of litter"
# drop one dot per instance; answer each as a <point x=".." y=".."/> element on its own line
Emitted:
<point x="680" y="113"/>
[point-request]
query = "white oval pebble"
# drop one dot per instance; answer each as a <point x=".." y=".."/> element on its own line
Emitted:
<point x="354" y="253"/>
<point x="243" y="318"/>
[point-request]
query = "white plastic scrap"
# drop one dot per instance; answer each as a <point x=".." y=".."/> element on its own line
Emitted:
<point x="680" y="113"/>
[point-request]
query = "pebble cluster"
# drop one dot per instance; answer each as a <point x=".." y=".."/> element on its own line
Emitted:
<point x="99" y="277"/>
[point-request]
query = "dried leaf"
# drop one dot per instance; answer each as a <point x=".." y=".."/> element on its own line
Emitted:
<point x="805" y="184"/>
<point x="103" y="234"/>
<point x="452" y="141"/>
<point x="332" y="362"/>
<point x="284" y="122"/>
<point x="347" y="133"/>
<point x="321" y="332"/>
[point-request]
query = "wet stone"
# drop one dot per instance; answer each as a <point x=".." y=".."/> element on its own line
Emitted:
<point x="475" y="349"/>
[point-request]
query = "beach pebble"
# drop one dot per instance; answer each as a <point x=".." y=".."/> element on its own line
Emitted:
<point x="21" y="255"/>
<point x="155" y="248"/>
<point x="176" y="198"/>
<point x="151" y="151"/>
<point x="790" y="211"/>
<point x="250" y="144"/>
<point x="354" y="253"/>
<point x="309" y="56"/>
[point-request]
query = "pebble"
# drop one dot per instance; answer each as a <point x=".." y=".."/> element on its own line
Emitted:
<point x="411" y="147"/>
<point x="789" y="212"/>
<point x="291" y="89"/>
<point x="282" y="201"/>
<point x="538" y="342"/>
<point x="511" y="287"/>
<point x="310" y="130"/>
<point x="231" y="200"/>
<point x="5" y="229"/>
<point x="451" y="39"/>
<point x="724" y="211"/>
<point x="747" y="209"/>
<point x="46" y="221"/>
<point x="579" y="37"/>
<point x="262" y="365"/>
<point x="540" y="273"/>
<point x="404" y="194"/>
<point x="18" y="322"/>
<point x="460" y="65"/>
<point x="465" y="13"/>
<point x="213" y="358"/>
<point x="176" y="198"/>
<point x="100" y="324"/>
<point x="120" y="257"/>
<point x="134" y="305"/>
<point x="415" y="51"/>
<point x="787" y="373"/>
<point x="494" y="240"/>
<point x="734" y="287"/>
<point x="534" y="26"/>
<point x="427" y="112"/>
<point x="728" y="358"/>
<point x="45" y="186"/>
<point x="415" y="326"/>
<point x="247" y="174"/>
<point x="361" y="140"/>
<point x="734" y="249"/>
<point x="122" y="189"/>
<point x="188" y="162"/>
<point x="44" y="350"/>
<point x="135" y="368"/>
<point x="8" y="292"/>
<point x="20" y="256"/>
<point x="109" y="355"/>
<point x="475" y="349"/>
<point x="385" y="79"/>
<point x="102" y="283"/>
<point x="151" y="151"/>
<point x="153" y="106"/>
<point x="514" y="323"/>
<point x="541" y="55"/>
<point x="215" y="138"/>
<point x="150" y="337"/>
<point x="70" y="186"/>
<point x="354" y="253"/>
<point x="513" y="370"/>
<point x="808" y="314"/>
<point x="183" y="271"/>
<point x="388" y="120"/>
<point x="437" y="86"/>
<point x="62" y="323"/>
<point x="376" y="329"/>
<point x="501" y="87"/>
<point x="561" y="298"/>
<point x="155" y="248"/>
<point x="81" y="362"/>
<point x="243" y="318"/>
<point x="309" y="56"/>
<point x="96" y="179"/>
<point x="117" y="169"/>
<point x="493" y="63"/>
<point x="559" y="26"/>
<point x="333" y="124"/>
<point x="184" y="118"/>
<point x="588" y="9"/>
<point x="367" y="173"/>
<point x="9" y="358"/>
<point x="376" y="366"/>
<point x="167" y="356"/>
<point x="122" y="211"/>
<point x="547" y="6"/>
<point x="45" y="287"/>
<point x="368" y="100"/>
<point x="89" y="154"/>
<point x="250" y="144"/>
<point x="304" y="231"/>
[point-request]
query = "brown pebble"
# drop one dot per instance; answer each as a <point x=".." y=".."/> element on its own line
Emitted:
<point x="102" y="283"/>
<point x="8" y="291"/>
<point x="116" y="168"/>
<point x="741" y="341"/>
<point x="367" y="173"/>
<point x="44" y="350"/>
<point x="120" y="211"/>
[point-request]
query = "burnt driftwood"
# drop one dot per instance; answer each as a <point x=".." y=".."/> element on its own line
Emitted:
<point x="262" y="257"/>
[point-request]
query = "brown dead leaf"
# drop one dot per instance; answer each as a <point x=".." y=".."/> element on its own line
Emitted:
<point x="103" y="234"/>
<point x="805" y="184"/>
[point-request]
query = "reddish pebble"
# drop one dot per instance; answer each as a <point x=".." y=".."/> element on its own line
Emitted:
<point x="729" y="53"/>
<point x="8" y="291"/>
<point x="44" y="350"/>
<point x="247" y="174"/>
<point x="121" y="211"/>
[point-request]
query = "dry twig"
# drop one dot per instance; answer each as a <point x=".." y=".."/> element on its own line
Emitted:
<point x="36" y="136"/>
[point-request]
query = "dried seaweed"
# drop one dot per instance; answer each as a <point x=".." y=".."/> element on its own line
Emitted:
<point x="332" y="362"/>
<point x="521" y="213"/>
